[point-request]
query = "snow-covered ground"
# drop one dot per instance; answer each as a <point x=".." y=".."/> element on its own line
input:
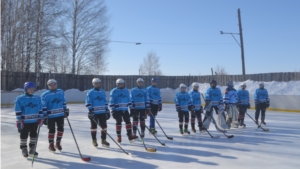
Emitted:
<point x="274" y="87"/>
<point x="250" y="148"/>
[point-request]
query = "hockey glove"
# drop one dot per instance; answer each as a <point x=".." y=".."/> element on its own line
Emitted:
<point x="267" y="104"/>
<point x="113" y="113"/>
<point x="201" y="109"/>
<point x="147" y="112"/>
<point x="45" y="120"/>
<point x="66" y="111"/>
<point x="226" y="108"/>
<point x="107" y="114"/>
<point x="248" y="107"/>
<point x="20" y="125"/>
<point x="178" y="108"/>
<point x="132" y="113"/>
<point x="159" y="107"/>
<point x="40" y="122"/>
<point x="207" y="102"/>
<point x="91" y="114"/>
<point x="191" y="107"/>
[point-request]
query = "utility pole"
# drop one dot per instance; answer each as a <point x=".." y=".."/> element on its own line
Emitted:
<point x="242" y="43"/>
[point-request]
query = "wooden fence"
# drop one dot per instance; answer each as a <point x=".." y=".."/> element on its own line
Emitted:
<point x="10" y="81"/>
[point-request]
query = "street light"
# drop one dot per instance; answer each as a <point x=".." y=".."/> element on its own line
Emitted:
<point x="241" y="44"/>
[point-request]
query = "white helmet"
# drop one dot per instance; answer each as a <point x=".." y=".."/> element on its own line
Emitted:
<point x="261" y="83"/>
<point x="51" y="81"/>
<point x="243" y="84"/>
<point x="139" y="80"/>
<point x="195" y="84"/>
<point x="96" y="80"/>
<point x="182" y="85"/>
<point x="120" y="81"/>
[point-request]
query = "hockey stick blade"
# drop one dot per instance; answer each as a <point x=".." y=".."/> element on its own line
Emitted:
<point x="86" y="159"/>
<point x="264" y="129"/>
<point x="170" y="138"/>
<point x="231" y="136"/>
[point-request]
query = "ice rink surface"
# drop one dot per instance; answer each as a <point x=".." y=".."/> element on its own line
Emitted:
<point x="250" y="148"/>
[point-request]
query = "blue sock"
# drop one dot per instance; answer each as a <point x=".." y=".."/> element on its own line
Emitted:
<point x="152" y="124"/>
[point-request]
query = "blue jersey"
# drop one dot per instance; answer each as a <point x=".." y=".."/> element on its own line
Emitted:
<point x="96" y="100"/>
<point x="261" y="95"/>
<point x="183" y="100"/>
<point x="54" y="103"/>
<point x="154" y="95"/>
<point x="214" y="95"/>
<point x="230" y="96"/>
<point x="119" y="99"/>
<point x="195" y="99"/>
<point x="243" y="97"/>
<point x="139" y="98"/>
<point x="28" y="108"/>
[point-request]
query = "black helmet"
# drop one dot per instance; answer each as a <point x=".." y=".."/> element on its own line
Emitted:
<point x="213" y="81"/>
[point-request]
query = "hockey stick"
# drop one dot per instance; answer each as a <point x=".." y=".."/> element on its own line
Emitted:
<point x="155" y="136"/>
<point x="82" y="158"/>
<point x="259" y="126"/>
<point x="37" y="136"/>
<point x="211" y="135"/>
<point x="170" y="138"/>
<point x="147" y="149"/>
<point x="214" y="122"/>
<point x="110" y="136"/>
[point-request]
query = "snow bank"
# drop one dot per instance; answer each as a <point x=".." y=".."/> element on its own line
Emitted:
<point x="274" y="87"/>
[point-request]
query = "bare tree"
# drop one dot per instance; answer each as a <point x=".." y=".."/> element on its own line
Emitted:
<point x="220" y="70"/>
<point x="150" y="65"/>
<point x="89" y="27"/>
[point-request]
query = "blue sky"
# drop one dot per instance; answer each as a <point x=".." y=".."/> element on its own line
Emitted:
<point x="191" y="29"/>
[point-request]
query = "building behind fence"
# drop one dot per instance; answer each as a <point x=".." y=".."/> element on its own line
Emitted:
<point x="84" y="82"/>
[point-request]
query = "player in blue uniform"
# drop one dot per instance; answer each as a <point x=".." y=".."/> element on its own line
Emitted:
<point x="213" y="96"/>
<point x="243" y="104"/>
<point x="119" y="102"/>
<point x="140" y="105"/>
<point x="262" y="102"/>
<point x="96" y="103"/>
<point x="55" y="110"/>
<point x="29" y="115"/>
<point x="231" y="100"/>
<point x="155" y="102"/>
<point x="198" y="109"/>
<point x="183" y="105"/>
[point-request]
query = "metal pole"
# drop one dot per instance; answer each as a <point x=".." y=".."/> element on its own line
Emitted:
<point x="242" y="43"/>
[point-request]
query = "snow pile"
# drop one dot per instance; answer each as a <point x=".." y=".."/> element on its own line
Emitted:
<point x="274" y="87"/>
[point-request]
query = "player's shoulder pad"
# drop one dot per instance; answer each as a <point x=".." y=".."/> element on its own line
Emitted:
<point x="20" y="97"/>
<point x="45" y="93"/>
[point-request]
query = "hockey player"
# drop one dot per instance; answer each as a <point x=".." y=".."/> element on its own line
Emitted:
<point x="119" y="102"/>
<point x="55" y="110"/>
<point x="243" y="104"/>
<point x="230" y="100"/>
<point x="213" y="96"/>
<point x="29" y="115"/>
<point x="155" y="102"/>
<point x="183" y="105"/>
<point x="262" y="102"/>
<point x="198" y="109"/>
<point x="96" y="103"/>
<point x="140" y="105"/>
